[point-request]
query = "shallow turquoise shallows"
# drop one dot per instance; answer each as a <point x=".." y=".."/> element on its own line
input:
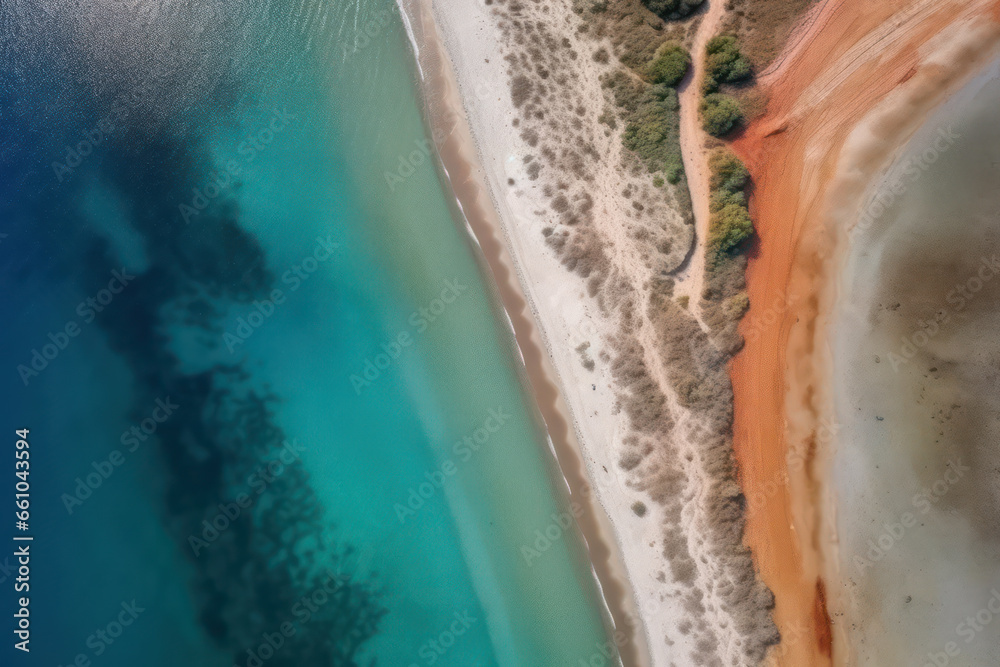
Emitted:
<point x="277" y="417"/>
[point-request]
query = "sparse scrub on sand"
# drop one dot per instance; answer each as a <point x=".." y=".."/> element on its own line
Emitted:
<point x="724" y="63"/>
<point x="670" y="64"/>
<point x="697" y="371"/>
<point x="724" y="278"/>
<point x="635" y="32"/>
<point x="639" y="57"/>
<point x="645" y="93"/>
<point x="753" y="103"/>
<point x="608" y="118"/>
<point x="520" y="90"/>
<point x="720" y="113"/>
<point x="763" y="26"/>
<point x="736" y="306"/>
<point x="652" y="113"/>
<point x="729" y="227"/>
<point x="626" y="89"/>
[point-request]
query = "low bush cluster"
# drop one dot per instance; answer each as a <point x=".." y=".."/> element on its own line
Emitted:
<point x="724" y="63"/>
<point x="720" y="113"/>
<point x="670" y="65"/>
<point x="652" y="131"/>
<point x="729" y="223"/>
<point x="652" y="113"/>
<point x="626" y="89"/>
<point x="727" y="172"/>
<point x="672" y="9"/>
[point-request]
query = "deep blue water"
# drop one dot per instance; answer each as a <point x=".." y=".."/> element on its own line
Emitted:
<point x="271" y="400"/>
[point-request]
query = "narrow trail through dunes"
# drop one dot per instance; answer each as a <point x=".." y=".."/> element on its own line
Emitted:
<point x="694" y="155"/>
<point x="881" y="67"/>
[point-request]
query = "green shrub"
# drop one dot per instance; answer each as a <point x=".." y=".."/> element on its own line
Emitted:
<point x="721" y="198"/>
<point x="674" y="171"/>
<point x="724" y="63"/>
<point x="607" y="117"/>
<point x="626" y="89"/>
<point x="736" y="306"/>
<point x="670" y="65"/>
<point x="671" y="8"/>
<point x="729" y="222"/>
<point x="652" y="131"/>
<point x="719" y="113"/>
<point x="728" y="227"/>
<point x="727" y="171"/>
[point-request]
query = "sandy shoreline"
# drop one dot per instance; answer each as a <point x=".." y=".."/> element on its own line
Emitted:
<point x="659" y="466"/>
<point x="848" y="67"/>
<point x="458" y="153"/>
<point x="856" y="87"/>
<point x="852" y="86"/>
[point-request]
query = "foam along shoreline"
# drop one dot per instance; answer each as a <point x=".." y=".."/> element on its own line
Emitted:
<point x="458" y="152"/>
<point x="853" y="90"/>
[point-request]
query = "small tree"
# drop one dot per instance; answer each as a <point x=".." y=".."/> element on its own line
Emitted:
<point x="729" y="222"/>
<point x="727" y="171"/>
<point x="719" y="113"/>
<point x="671" y="8"/>
<point x="670" y="66"/>
<point x="724" y="63"/>
<point x="729" y="227"/>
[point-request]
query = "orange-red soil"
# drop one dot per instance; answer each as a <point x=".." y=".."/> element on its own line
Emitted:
<point x="858" y="60"/>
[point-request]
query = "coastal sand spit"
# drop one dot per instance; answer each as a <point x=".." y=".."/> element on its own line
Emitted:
<point x="457" y="150"/>
<point x="598" y="279"/>
<point x="848" y="66"/>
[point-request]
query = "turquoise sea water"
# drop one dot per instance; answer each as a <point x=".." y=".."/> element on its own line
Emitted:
<point x="275" y="414"/>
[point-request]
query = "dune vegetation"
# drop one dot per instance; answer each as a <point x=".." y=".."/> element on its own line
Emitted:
<point x="670" y="64"/>
<point x="725" y="68"/>
<point x="724" y="63"/>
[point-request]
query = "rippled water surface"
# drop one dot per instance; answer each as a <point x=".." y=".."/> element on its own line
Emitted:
<point x="275" y="417"/>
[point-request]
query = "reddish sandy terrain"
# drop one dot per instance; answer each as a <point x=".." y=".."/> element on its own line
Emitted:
<point x="886" y="65"/>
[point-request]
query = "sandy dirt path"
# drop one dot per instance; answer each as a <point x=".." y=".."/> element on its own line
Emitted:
<point x="881" y="67"/>
<point x="694" y="154"/>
